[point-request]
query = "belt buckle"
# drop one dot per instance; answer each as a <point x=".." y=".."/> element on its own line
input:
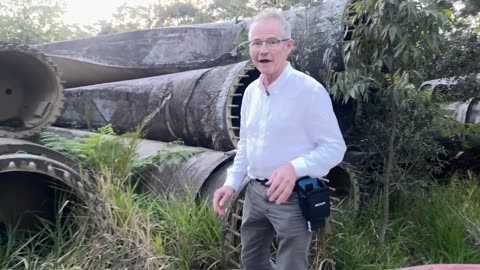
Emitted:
<point x="261" y="181"/>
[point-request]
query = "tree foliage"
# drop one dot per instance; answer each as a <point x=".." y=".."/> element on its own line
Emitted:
<point x="458" y="60"/>
<point x="35" y="21"/>
<point x="235" y="9"/>
<point x="232" y="10"/>
<point x="462" y="10"/>
<point x="397" y="39"/>
<point x="129" y="17"/>
<point x="388" y="50"/>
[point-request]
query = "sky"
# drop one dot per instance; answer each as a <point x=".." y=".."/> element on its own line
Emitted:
<point x="89" y="11"/>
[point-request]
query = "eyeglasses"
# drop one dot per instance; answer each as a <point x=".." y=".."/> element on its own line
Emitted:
<point x="271" y="43"/>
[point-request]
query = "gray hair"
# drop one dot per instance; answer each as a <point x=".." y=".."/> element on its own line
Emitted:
<point x="273" y="13"/>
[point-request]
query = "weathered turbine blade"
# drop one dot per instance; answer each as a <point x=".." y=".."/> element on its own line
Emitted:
<point x="145" y="53"/>
<point x="319" y="32"/>
<point x="31" y="96"/>
<point x="463" y="112"/>
<point x="198" y="168"/>
<point x="202" y="107"/>
<point x="31" y="178"/>
<point x="467" y="113"/>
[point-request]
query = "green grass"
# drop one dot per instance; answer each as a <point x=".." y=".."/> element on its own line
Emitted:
<point x="445" y="219"/>
<point x="137" y="231"/>
<point x="429" y="224"/>
<point x="354" y="245"/>
<point x="437" y="224"/>
<point x="124" y="229"/>
<point x="192" y="232"/>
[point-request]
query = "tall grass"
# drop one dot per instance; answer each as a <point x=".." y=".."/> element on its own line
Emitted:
<point x="437" y="224"/>
<point x="76" y="243"/>
<point x="132" y="230"/>
<point x="354" y="245"/>
<point x="446" y="222"/>
<point x="432" y="224"/>
<point x="137" y="231"/>
<point x="192" y="232"/>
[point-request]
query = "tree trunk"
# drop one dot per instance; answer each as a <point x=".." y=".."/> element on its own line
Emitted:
<point x="388" y="170"/>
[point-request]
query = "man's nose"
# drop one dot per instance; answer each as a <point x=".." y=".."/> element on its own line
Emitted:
<point x="264" y="49"/>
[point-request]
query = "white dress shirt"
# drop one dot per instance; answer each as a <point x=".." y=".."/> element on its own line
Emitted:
<point x="295" y="124"/>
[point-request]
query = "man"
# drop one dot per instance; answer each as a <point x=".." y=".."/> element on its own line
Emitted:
<point x="288" y="130"/>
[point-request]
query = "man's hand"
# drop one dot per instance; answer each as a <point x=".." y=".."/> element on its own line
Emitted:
<point x="221" y="198"/>
<point x="281" y="183"/>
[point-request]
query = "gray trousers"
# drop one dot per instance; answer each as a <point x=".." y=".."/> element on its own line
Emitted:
<point x="263" y="219"/>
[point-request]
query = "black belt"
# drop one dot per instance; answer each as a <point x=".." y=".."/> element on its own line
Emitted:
<point x="264" y="181"/>
<point x="261" y="181"/>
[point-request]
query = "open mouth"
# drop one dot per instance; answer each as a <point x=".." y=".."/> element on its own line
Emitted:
<point x="264" y="61"/>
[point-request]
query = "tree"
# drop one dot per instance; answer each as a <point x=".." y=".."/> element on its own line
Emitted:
<point x="390" y="45"/>
<point x="466" y="7"/>
<point x="237" y="9"/>
<point x="282" y="4"/>
<point x="35" y="21"/>
<point x="184" y="13"/>
<point x="129" y="17"/>
<point x="460" y="52"/>
<point x="133" y="17"/>
<point x="232" y="9"/>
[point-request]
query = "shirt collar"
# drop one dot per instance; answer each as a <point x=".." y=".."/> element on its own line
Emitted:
<point x="273" y="87"/>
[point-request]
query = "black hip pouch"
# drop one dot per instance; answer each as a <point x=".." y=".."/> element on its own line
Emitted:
<point x="314" y="199"/>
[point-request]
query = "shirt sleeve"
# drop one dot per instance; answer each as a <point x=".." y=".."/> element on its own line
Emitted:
<point x="237" y="172"/>
<point x="323" y="129"/>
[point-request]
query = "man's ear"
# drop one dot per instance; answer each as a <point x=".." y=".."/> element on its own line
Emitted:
<point x="291" y="44"/>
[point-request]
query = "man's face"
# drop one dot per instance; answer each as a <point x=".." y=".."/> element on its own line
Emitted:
<point x="269" y="58"/>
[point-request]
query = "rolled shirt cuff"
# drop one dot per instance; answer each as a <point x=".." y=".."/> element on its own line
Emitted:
<point x="300" y="166"/>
